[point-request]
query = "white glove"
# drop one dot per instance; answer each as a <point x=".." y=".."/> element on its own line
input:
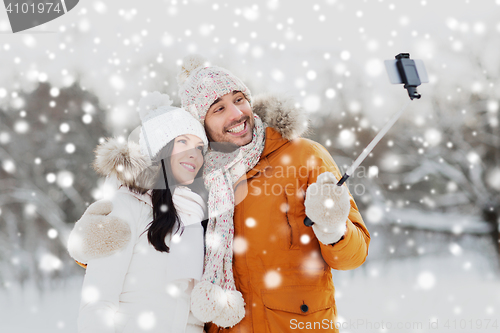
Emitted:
<point x="328" y="206"/>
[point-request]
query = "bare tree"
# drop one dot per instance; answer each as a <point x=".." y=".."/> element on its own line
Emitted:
<point x="46" y="141"/>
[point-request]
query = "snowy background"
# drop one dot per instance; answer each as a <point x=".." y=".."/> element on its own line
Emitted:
<point x="429" y="193"/>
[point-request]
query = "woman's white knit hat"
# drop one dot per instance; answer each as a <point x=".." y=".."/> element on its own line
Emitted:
<point x="201" y="85"/>
<point x="162" y="122"/>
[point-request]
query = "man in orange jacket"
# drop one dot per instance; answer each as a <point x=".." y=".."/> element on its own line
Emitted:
<point x="281" y="267"/>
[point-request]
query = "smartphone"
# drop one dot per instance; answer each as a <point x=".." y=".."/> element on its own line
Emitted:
<point x="417" y="68"/>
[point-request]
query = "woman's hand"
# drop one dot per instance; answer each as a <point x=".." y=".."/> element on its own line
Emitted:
<point x="96" y="234"/>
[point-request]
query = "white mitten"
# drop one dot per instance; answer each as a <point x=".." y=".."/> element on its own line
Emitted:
<point x="328" y="206"/>
<point x="96" y="234"/>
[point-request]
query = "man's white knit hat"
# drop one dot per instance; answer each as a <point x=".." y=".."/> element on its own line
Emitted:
<point x="200" y="85"/>
<point x="162" y="122"/>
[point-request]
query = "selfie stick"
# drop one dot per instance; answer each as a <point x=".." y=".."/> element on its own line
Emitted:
<point x="372" y="144"/>
<point x="409" y="76"/>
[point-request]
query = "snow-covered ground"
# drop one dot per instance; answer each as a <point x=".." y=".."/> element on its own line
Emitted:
<point x="26" y="310"/>
<point x="454" y="293"/>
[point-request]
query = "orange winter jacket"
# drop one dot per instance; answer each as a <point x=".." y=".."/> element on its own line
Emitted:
<point x="280" y="267"/>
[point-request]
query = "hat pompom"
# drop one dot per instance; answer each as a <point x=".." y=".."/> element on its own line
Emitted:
<point x="233" y="312"/>
<point x="151" y="102"/>
<point x="189" y="64"/>
<point x="207" y="301"/>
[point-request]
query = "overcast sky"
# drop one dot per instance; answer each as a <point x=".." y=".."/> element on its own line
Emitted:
<point x="122" y="48"/>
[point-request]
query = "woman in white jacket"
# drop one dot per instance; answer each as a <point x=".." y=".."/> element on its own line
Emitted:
<point x="144" y="260"/>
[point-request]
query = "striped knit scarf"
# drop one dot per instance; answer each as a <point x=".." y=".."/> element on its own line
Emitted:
<point x="215" y="299"/>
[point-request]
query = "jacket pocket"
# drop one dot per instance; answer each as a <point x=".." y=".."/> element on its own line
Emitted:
<point x="300" y="309"/>
<point x="292" y="217"/>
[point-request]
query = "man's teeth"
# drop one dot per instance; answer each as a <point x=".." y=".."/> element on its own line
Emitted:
<point x="188" y="165"/>
<point x="237" y="129"/>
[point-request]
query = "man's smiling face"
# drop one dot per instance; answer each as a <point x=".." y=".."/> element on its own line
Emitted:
<point x="230" y="119"/>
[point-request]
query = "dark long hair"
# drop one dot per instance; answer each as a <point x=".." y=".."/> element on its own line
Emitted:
<point x="165" y="217"/>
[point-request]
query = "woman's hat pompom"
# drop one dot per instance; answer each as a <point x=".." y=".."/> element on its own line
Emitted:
<point x="151" y="102"/>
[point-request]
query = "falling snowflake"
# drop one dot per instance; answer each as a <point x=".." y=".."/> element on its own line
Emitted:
<point x="374" y="67"/>
<point x="346" y="138"/>
<point x="374" y="214"/>
<point x="21" y="127"/>
<point x="451" y="186"/>
<point x="345" y="55"/>
<point x="117" y="82"/>
<point x="251" y="13"/>
<point x="49" y="263"/>
<point x="52" y="233"/>
<point x="473" y="157"/>
<point x="240" y="245"/>
<point x="30" y="209"/>
<point x="64" y="128"/>
<point x="250" y="222"/>
<point x="146" y="320"/>
<point x="455" y="249"/>
<point x="426" y="280"/>
<point x="87" y="119"/>
<point x="372" y="171"/>
<point x="257" y="52"/>
<point x="305" y="239"/>
<point x="213" y="241"/>
<point x="311" y="75"/>
<point x="390" y="162"/>
<point x="9" y="166"/>
<point x="433" y="136"/>
<point x="272" y="279"/>
<point x="277" y="75"/>
<point x="354" y="107"/>
<point x="312" y="103"/>
<point x="176" y="238"/>
<point x="90" y="294"/>
<point x="173" y="290"/>
<point x="330" y="93"/>
<point x="65" y="179"/>
<point x="54" y="91"/>
<point x="70" y="148"/>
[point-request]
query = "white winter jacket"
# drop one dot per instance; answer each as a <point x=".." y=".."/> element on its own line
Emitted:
<point x="136" y="288"/>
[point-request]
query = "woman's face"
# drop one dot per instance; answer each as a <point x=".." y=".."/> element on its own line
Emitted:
<point x="187" y="158"/>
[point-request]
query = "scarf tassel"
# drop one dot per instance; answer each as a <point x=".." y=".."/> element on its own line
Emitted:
<point x="211" y="303"/>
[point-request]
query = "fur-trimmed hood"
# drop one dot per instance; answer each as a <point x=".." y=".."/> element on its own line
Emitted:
<point x="131" y="168"/>
<point x="125" y="161"/>
<point x="281" y="114"/>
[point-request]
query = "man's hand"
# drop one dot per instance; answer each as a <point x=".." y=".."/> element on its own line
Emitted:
<point x="328" y="206"/>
